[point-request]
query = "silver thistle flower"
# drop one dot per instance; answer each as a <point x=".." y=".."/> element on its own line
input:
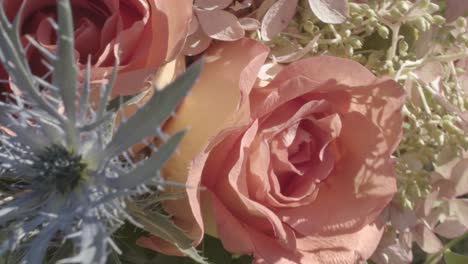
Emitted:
<point x="70" y="175"/>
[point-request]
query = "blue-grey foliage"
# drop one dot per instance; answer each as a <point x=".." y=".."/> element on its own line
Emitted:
<point x="68" y="172"/>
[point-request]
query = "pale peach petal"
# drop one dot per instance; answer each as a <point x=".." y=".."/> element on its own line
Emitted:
<point x="232" y="64"/>
<point x="459" y="176"/>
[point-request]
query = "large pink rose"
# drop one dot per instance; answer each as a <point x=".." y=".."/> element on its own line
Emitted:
<point x="146" y="32"/>
<point x="294" y="172"/>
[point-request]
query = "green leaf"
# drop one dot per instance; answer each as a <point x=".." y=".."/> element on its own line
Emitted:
<point x="213" y="249"/>
<point x="455" y="258"/>
<point x="162" y="226"/>
<point x="121" y="101"/>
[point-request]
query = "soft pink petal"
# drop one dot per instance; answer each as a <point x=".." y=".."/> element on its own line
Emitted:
<point x="426" y="239"/>
<point x="232" y="59"/>
<point x="455" y="9"/>
<point x="451" y="228"/>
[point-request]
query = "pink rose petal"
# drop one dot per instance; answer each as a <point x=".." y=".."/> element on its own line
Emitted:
<point x="460" y="177"/>
<point x="460" y="208"/>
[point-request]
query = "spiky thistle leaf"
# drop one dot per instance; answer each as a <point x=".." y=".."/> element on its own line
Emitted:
<point x="66" y="178"/>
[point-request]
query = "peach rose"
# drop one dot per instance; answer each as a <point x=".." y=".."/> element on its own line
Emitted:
<point x="147" y="33"/>
<point x="294" y="172"/>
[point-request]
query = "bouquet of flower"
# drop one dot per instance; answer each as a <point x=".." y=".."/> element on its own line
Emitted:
<point x="234" y="131"/>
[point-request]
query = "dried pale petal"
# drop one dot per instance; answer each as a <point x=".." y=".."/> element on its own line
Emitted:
<point x="269" y="70"/>
<point x="450" y="228"/>
<point x="220" y="24"/>
<point x="212" y="4"/>
<point x="330" y="11"/>
<point x="249" y="23"/>
<point x="277" y="18"/>
<point x="392" y="250"/>
<point x="402" y="220"/>
<point x="460" y="177"/>
<point x="460" y="208"/>
<point x="426" y="239"/>
<point x="299" y="53"/>
<point x="429" y="201"/>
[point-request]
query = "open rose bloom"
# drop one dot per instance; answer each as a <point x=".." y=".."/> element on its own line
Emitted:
<point x="294" y="172"/>
<point x="144" y="34"/>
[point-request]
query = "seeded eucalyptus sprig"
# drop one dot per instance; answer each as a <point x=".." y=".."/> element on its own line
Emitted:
<point x="68" y="180"/>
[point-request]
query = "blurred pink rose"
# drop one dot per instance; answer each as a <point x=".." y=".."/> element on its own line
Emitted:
<point x="295" y="172"/>
<point x="147" y="32"/>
